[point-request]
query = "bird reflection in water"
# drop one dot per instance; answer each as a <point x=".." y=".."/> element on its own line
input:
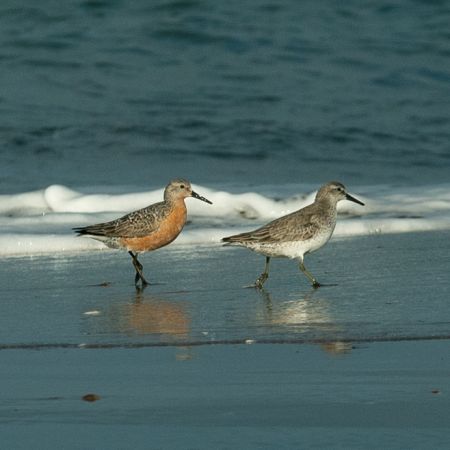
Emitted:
<point x="160" y="320"/>
<point x="308" y="314"/>
<point x="148" y="314"/>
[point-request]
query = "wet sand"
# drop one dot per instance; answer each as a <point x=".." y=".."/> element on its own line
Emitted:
<point x="196" y="361"/>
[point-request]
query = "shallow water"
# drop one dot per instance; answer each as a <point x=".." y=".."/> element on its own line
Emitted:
<point x="376" y="288"/>
<point x="256" y="397"/>
<point x="359" y="363"/>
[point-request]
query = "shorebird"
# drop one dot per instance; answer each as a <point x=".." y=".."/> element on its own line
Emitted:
<point x="296" y="234"/>
<point x="146" y="229"/>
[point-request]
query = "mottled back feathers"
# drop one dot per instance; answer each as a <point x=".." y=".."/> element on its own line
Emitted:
<point x="135" y="224"/>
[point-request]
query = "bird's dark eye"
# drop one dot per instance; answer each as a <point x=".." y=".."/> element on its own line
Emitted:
<point x="181" y="186"/>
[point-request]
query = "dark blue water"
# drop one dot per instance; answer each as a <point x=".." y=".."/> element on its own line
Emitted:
<point x="120" y="93"/>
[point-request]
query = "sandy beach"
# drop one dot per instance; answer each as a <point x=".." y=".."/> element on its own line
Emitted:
<point x="382" y="395"/>
<point x="197" y="361"/>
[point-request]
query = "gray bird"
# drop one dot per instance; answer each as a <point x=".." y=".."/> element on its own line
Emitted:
<point x="296" y="234"/>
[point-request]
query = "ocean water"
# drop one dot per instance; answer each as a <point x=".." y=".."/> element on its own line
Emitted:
<point x="257" y="103"/>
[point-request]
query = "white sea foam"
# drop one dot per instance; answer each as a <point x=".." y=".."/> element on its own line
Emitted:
<point x="41" y="221"/>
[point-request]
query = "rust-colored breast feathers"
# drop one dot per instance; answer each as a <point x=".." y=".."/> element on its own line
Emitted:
<point x="169" y="228"/>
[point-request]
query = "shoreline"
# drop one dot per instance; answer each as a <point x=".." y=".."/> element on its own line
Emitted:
<point x="197" y="360"/>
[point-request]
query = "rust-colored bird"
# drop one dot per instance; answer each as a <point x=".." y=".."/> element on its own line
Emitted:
<point x="148" y="228"/>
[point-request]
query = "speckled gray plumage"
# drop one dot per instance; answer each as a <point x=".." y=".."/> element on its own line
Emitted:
<point x="299" y="225"/>
<point x="135" y="224"/>
<point x="298" y="233"/>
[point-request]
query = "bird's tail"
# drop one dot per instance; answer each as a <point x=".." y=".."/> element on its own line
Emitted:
<point x="79" y="230"/>
<point x="235" y="239"/>
<point x="93" y="230"/>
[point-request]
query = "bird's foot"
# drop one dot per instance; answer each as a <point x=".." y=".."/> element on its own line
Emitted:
<point x="138" y="277"/>
<point x="253" y="286"/>
<point x="258" y="284"/>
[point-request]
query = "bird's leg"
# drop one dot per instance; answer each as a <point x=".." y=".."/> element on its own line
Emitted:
<point x="314" y="282"/>
<point x="263" y="277"/>
<point x="138" y="267"/>
<point x="139" y="274"/>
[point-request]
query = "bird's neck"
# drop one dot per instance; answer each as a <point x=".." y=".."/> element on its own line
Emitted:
<point x="329" y="208"/>
<point x="327" y="204"/>
<point x="177" y="204"/>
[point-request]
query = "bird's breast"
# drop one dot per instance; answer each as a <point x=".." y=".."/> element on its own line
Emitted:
<point x="167" y="231"/>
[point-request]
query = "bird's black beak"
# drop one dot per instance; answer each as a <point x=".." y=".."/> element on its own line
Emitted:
<point x="353" y="199"/>
<point x="199" y="197"/>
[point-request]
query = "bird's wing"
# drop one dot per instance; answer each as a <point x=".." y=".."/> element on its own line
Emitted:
<point x="302" y="224"/>
<point x="135" y="224"/>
